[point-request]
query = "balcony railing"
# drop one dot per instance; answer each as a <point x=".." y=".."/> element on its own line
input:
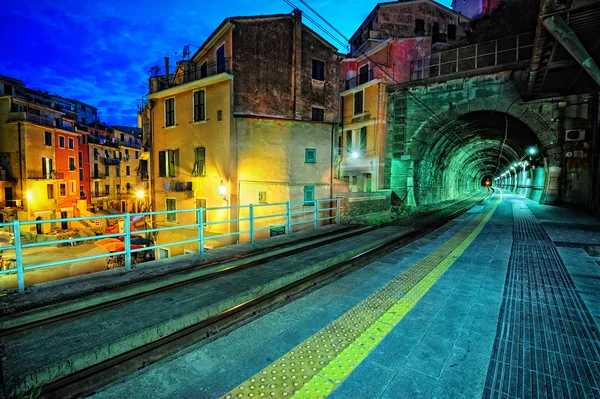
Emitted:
<point x="158" y="83"/>
<point x="102" y="141"/>
<point x="98" y="175"/>
<point x="361" y="78"/>
<point x="477" y="56"/>
<point x="132" y="144"/>
<point x="111" y="161"/>
<point x="37" y="175"/>
<point x="99" y="194"/>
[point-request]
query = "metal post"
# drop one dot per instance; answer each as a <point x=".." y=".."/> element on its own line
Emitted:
<point x="251" y="221"/>
<point x="338" y="216"/>
<point x="288" y="218"/>
<point x="457" y="60"/>
<point x="316" y="214"/>
<point x="127" y="240"/>
<point x="475" y="56"/>
<point x="19" y="255"/>
<point x="200" y="232"/>
<point x="517" y="49"/>
<point x="496" y="52"/>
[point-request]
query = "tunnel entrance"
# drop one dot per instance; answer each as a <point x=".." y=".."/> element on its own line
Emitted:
<point x="487" y="181"/>
<point x="476" y="147"/>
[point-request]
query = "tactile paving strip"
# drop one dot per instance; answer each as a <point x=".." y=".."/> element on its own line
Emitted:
<point x="318" y="365"/>
<point x="547" y="343"/>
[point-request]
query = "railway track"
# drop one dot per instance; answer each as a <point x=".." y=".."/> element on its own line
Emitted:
<point x="85" y="381"/>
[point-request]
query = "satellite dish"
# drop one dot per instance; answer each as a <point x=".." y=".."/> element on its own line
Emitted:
<point x="186" y="51"/>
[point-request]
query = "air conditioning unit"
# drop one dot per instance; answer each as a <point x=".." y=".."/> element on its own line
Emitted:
<point x="575" y="135"/>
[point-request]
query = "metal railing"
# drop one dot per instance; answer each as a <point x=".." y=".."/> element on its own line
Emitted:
<point x="477" y="56"/>
<point x="98" y="175"/>
<point x="361" y="78"/>
<point x="286" y="215"/>
<point x="158" y="83"/>
<point x="40" y="175"/>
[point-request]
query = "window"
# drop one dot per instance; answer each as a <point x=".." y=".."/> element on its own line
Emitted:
<point x="107" y="189"/>
<point x="81" y="191"/>
<point x="106" y="171"/>
<point x="167" y="163"/>
<point x="62" y="189"/>
<point x="356" y="141"/>
<point x="122" y="136"/>
<point x="171" y="206"/>
<point x="47" y="168"/>
<point x="262" y="197"/>
<point x="48" y="139"/>
<point x="126" y="154"/>
<point x="83" y="138"/>
<point x="95" y="154"/>
<point x="201" y="203"/>
<point x="199" y="105"/>
<point x="71" y="143"/>
<point x="128" y="170"/>
<point x="137" y="155"/>
<point x="221" y="59"/>
<point x="318" y="114"/>
<point x="310" y="155"/>
<point x="72" y="164"/>
<point x="72" y="187"/>
<point x="118" y="171"/>
<point x="80" y="159"/>
<point x="451" y="32"/>
<point x="81" y="177"/>
<point x="309" y="195"/>
<point x="118" y="189"/>
<point x="318" y="70"/>
<point x="199" y="162"/>
<point x="61" y="141"/>
<point x="363" y="74"/>
<point x="50" y="190"/>
<point x="128" y="187"/>
<point x="219" y="115"/>
<point x="276" y="231"/>
<point x="170" y="112"/>
<point x="419" y="27"/>
<point x="358" y="102"/>
<point x="204" y="69"/>
<point x="340" y="148"/>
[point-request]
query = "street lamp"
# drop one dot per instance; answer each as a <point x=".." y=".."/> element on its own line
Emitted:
<point x="355" y="155"/>
<point x="140" y="194"/>
<point x="223" y="190"/>
<point x="531" y="151"/>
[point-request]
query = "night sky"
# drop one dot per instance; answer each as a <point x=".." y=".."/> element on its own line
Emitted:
<point x="101" y="52"/>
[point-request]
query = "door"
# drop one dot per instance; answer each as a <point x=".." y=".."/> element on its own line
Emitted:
<point x="8" y="194"/>
<point x="38" y="227"/>
<point x="368" y="182"/>
<point x="123" y="207"/>
<point x="221" y="59"/>
<point x="64" y="224"/>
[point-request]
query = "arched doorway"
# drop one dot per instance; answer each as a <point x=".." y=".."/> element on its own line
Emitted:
<point x="38" y="226"/>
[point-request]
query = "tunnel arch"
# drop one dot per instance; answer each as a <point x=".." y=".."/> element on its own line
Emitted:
<point x="455" y="149"/>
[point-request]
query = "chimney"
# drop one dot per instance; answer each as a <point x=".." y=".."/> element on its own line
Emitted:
<point x="167" y="69"/>
<point x="297" y="14"/>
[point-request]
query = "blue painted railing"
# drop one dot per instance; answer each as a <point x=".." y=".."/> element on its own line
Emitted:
<point x="333" y="210"/>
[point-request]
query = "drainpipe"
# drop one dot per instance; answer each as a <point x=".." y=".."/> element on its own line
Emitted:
<point x="167" y="71"/>
<point x="21" y="164"/>
<point x="557" y="26"/>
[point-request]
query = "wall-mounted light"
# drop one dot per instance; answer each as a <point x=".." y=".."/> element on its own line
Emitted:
<point x="29" y="195"/>
<point x="140" y="194"/>
<point x="223" y="190"/>
<point x="355" y="155"/>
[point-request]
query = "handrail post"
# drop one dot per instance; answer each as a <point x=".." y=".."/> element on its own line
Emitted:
<point x="496" y="52"/>
<point x="19" y="255"/>
<point x="251" y="221"/>
<point x="288" y="220"/>
<point x="316" y="214"/>
<point x="476" y="56"/>
<point x="127" y="240"/>
<point x="200" y="231"/>
<point x="338" y="215"/>
<point x="457" y="60"/>
<point x="517" y="49"/>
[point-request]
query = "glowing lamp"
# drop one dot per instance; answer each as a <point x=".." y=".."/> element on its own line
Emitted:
<point x="223" y="190"/>
<point x="29" y="195"/>
<point x="140" y="194"/>
<point x="532" y="151"/>
<point x="355" y="155"/>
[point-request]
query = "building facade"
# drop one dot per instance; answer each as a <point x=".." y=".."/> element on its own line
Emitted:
<point x="249" y="119"/>
<point x="393" y="36"/>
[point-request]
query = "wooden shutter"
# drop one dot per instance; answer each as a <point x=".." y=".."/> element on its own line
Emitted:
<point x="162" y="170"/>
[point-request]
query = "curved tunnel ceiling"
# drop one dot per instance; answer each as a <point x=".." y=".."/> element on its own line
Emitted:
<point x="458" y="155"/>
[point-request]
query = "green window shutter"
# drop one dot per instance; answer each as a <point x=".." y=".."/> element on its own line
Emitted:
<point x="310" y="155"/>
<point x="309" y="195"/>
<point x="349" y="141"/>
<point x="162" y="164"/>
<point x="363" y="139"/>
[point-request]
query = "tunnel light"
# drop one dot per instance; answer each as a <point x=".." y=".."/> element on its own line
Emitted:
<point x="514" y="165"/>
<point x="531" y="151"/>
<point x="355" y="155"/>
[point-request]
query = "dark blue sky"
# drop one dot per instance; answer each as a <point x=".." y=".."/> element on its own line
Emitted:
<point x="100" y="52"/>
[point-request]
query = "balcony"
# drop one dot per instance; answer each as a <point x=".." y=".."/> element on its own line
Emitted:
<point x="102" y="141"/>
<point x="360" y="79"/>
<point x="131" y="144"/>
<point x="37" y="175"/>
<point x="111" y="161"/>
<point x="98" y="175"/>
<point x="14" y="204"/>
<point x="99" y="194"/>
<point x="159" y="83"/>
<point x="82" y="195"/>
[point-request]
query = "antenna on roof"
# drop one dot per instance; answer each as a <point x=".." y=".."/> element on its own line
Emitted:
<point x="186" y="51"/>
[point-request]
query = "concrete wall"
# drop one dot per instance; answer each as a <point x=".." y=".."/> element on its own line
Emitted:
<point x="356" y="204"/>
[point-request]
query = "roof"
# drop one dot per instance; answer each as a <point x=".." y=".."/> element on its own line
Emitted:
<point x="404" y="2"/>
<point x="14" y="81"/>
<point x="136" y="131"/>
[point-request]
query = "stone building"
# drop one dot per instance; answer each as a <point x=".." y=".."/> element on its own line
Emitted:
<point x="250" y="118"/>
<point x="383" y="50"/>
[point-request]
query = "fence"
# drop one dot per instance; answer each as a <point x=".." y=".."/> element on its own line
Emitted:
<point x="477" y="56"/>
<point x="254" y="212"/>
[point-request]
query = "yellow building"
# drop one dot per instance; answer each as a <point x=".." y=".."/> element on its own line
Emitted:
<point x="130" y="188"/>
<point x="249" y="119"/>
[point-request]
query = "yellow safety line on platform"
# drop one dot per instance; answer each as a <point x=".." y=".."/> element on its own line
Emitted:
<point x="318" y="365"/>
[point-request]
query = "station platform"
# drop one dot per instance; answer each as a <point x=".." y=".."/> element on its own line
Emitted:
<point x="503" y="302"/>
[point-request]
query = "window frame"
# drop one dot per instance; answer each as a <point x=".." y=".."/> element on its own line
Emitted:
<point x="173" y="124"/>
<point x="194" y="106"/>
<point x="362" y="110"/>
<point x="127" y="170"/>
<point x="322" y="114"/>
<point x="46" y="135"/>
<point x="221" y="67"/>
<point x="71" y="143"/>
<point x="61" y="138"/>
<point x="50" y="191"/>
<point x="306" y="190"/>
<point x="60" y="186"/>
<point x="170" y="217"/>
<point x="308" y="151"/>
<point x="72" y="166"/>
<point x="197" y="170"/>
<point x="319" y="71"/>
